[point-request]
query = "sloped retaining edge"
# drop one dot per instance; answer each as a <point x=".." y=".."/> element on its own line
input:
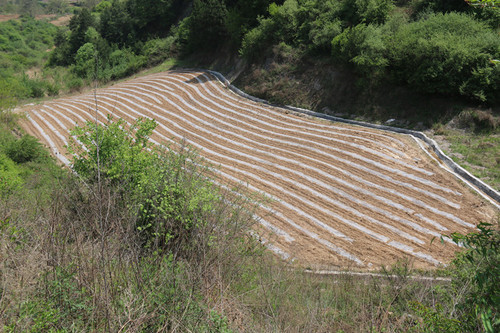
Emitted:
<point x="457" y="169"/>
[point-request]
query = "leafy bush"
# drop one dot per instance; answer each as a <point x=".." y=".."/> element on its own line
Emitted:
<point x="207" y="25"/>
<point x="157" y="50"/>
<point x="447" y="54"/>
<point x="242" y="16"/>
<point x="479" y="265"/>
<point x="9" y="176"/>
<point x="434" y="320"/>
<point x="25" y="149"/>
<point x="257" y="40"/>
<point x="85" y="61"/>
<point x="167" y="190"/>
<point x="33" y="87"/>
<point x="121" y="63"/>
<point x="115" y="24"/>
<point x="322" y="33"/>
<point x="355" y="12"/>
<point x="362" y="46"/>
<point x="58" y="6"/>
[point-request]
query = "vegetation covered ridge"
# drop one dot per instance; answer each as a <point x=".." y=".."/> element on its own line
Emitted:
<point x="436" y="47"/>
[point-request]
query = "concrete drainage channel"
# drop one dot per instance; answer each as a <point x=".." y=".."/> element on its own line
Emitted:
<point x="479" y="186"/>
<point x="377" y="275"/>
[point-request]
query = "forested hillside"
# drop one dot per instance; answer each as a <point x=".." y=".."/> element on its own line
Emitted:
<point x="440" y="47"/>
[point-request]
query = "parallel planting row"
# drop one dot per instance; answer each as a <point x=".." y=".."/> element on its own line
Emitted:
<point x="341" y="195"/>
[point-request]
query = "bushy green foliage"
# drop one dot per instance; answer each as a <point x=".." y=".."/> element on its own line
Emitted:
<point x="282" y="25"/>
<point x="122" y="63"/>
<point x="362" y="46"/>
<point x="257" y="41"/>
<point x="79" y="24"/>
<point x="9" y="176"/>
<point x="59" y="303"/>
<point x="354" y="12"/>
<point x="321" y="25"/>
<point x="158" y="50"/>
<point x="120" y="270"/>
<point x="25" y="149"/>
<point x="434" y="320"/>
<point x="242" y="15"/>
<point x="115" y="24"/>
<point x="447" y="54"/>
<point x="86" y="61"/>
<point x="23" y="45"/>
<point x="115" y="152"/>
<point x="207" y="24"/>
<point x="311" y="25"/>
<point x="165" y="188"/>
<point x="58" y="6"/>
<point x="479" y="265"/>
<point x="154" y="18"/>
<point x="9" y="88"/>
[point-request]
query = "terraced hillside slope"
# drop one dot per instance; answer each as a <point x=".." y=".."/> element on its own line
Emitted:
<point x="343" y="195"/>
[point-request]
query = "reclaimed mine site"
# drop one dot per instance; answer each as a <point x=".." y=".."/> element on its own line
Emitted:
<point x="339" y="195"/>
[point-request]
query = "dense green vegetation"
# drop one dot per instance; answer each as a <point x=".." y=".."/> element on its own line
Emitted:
<point x="434" y="47"/>
<point x="25" y="44"/>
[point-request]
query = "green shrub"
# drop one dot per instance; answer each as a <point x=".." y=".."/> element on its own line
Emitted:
<point x="74" y="83"/>
<point x="168" y="192"/>
<point x="258" y="40"/>
<point x="9" y="176"/>
<point x="158" y="50"/>
<point x="361" y="46"/>
<point x="85" y="61"/>
<point x="25" y="149"/>
<point x="447" y="54"/>
<point x="479" y="266"/>
<point x="206" y="26"/>
<point x="33" y="88"/>
<point x="433" y="319"/>
<point x="59" y="303"/>
<point x="58" y="6"/>
<point x="323" y="32"/>
<point x="9" y="89"/>
<point x="121" y="63"/>
<point x="355" y="12"/>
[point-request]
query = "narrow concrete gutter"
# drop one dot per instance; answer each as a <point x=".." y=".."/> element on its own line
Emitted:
<point x="479" y="186"/>
<point x="378" y="275"/>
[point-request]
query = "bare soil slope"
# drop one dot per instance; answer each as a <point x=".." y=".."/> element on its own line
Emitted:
<point x="343" y="195"/>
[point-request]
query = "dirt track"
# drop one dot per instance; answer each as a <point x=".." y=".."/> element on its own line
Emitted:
<point x="343" y="195"/>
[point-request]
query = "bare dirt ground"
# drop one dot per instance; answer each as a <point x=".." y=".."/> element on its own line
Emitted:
<point x="61" y="20"/>
<point x="341" y="195"/>
<point x="52" y="18"/>
<point x="6" y="17"/>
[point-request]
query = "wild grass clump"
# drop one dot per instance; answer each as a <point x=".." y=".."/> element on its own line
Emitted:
<point x="478" y="121"/>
